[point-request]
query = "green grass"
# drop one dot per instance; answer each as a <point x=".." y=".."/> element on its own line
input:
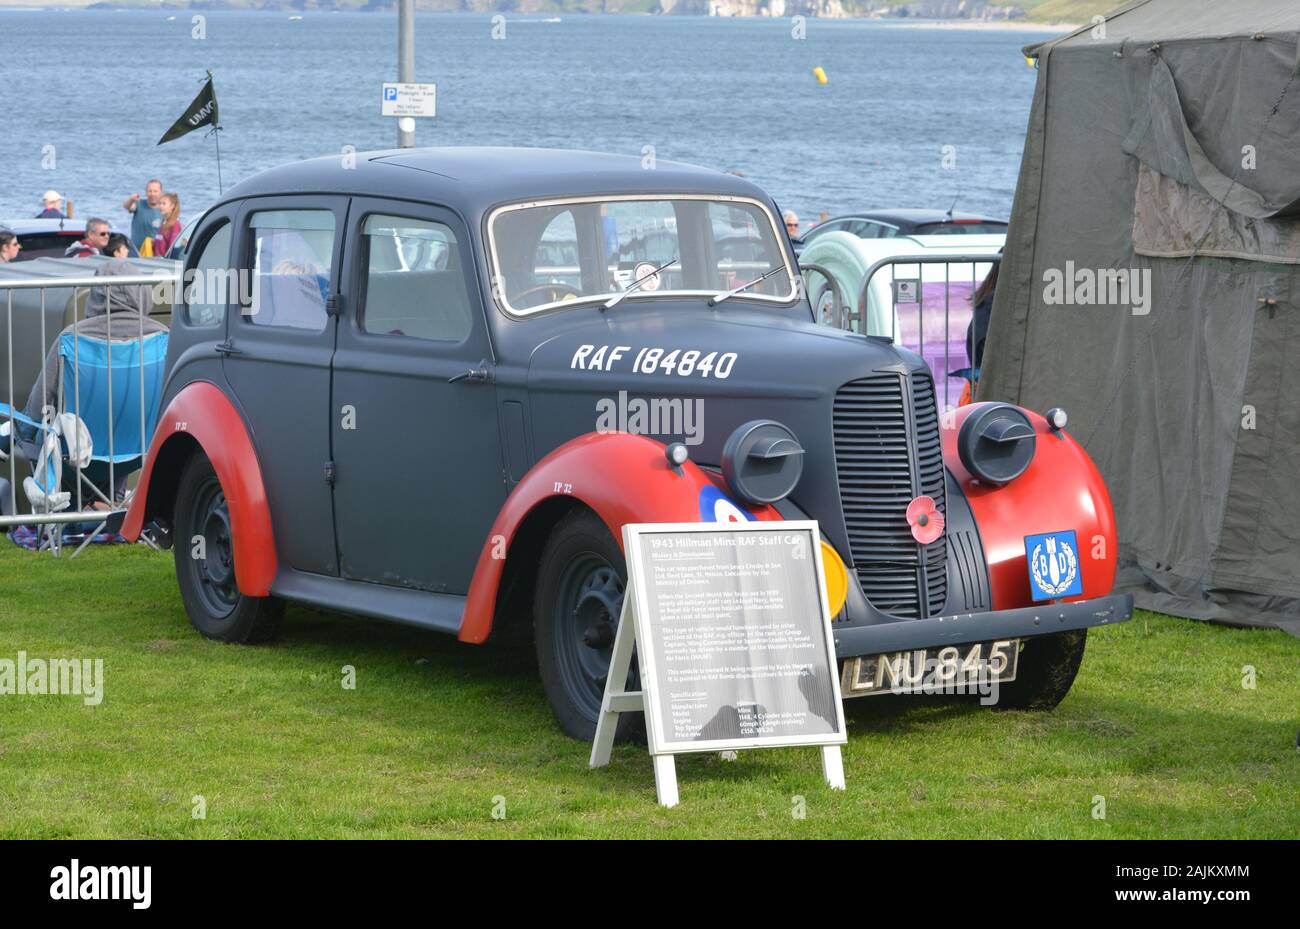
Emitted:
<point x="1158" y="724"/>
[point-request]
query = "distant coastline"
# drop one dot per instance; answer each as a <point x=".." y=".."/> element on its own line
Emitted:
<point x="978" y="14"/>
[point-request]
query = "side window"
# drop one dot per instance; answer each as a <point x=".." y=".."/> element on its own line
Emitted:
<point x="292" y="254"/>
<point x="214" y="282"/>
<point x="414" y="283"/>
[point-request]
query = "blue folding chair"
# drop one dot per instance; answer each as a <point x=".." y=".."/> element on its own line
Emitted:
<point x="115" y="389"/>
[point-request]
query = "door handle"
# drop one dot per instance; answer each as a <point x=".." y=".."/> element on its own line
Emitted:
<point x="479" y="375"/>
<point x="225" y="348"/>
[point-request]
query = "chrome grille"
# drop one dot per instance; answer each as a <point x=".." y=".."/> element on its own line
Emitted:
<point x="886" y="453"/>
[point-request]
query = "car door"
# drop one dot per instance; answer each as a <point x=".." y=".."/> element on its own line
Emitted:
<point x="277" y="361"/>
<point x="420" y="473"/>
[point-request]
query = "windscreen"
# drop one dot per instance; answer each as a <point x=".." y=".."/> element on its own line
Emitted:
<point x="547" y="255"/>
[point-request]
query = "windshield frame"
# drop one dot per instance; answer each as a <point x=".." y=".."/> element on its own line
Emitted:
<point x="494" y="262"/>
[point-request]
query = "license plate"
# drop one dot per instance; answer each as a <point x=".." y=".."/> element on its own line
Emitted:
<point x="937" y="670"/>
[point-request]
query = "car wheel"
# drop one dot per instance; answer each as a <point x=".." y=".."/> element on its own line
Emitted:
<point x="1048" y="666"/>
<point x="579" y="597"/>
<point x="205" y="563"/>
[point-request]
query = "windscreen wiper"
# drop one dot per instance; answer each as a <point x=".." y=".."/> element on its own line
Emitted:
<point x="635" y="285"/>
<point x="718" y="298"/>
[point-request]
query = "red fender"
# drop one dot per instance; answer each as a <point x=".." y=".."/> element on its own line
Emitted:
<point x="1062" y="489"/>
<point x="623" y="478"/>
<point x="203" y="412"/>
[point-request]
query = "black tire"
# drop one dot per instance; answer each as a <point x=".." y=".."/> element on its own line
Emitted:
<point x="579" y="595"/>
<point x="206" y="571"/>
<point x="1048" y="666"/>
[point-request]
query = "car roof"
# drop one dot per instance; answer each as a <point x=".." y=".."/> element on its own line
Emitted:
<point x="915" y="217"/>
<point x="473" y="179"/>
<point x="35" y="226"/>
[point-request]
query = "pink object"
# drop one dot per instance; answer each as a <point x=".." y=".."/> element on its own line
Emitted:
<point x="925" y="519"/>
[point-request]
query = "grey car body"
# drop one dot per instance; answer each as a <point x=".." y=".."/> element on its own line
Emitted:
<point x="386" y="458"/>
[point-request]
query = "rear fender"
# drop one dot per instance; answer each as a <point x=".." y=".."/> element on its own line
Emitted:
<point x="202" y="418"/>
<point x="622" y="478"/>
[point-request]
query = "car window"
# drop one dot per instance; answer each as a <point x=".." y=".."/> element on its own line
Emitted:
<point x="415" y="284"/>
<point x="292" y="257"/>
<point x="991" y="228"/>
<point x="213" y="282"/>
<point x="547" y="254"/>
<point x="836" y="226"/>
<point x="46" y="244"/>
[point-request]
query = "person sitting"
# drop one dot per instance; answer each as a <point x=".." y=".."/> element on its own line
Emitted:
<point x="117" y="313"/>
<point x="9" y="247"/>
<point x="119" y="246"/>
<point x="97" y="234"/>
<point x="53" y="206"/>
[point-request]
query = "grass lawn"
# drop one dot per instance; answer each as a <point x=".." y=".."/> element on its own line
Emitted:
<point x="1158" y="724"/>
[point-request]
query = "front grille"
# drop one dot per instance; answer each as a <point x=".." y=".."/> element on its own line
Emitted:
<point x="886" y="453"/>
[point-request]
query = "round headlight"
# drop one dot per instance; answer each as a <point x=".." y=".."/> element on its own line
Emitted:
<point x="762" y="461"/>
<point x="996" y="443"/>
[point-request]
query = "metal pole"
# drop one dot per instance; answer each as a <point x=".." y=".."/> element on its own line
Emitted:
<point x="406" y="65"/>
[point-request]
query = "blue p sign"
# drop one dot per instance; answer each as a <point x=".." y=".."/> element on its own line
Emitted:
<point x="390" y="93"/>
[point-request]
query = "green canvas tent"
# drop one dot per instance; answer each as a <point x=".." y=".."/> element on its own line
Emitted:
<point x="1151" y="286"/>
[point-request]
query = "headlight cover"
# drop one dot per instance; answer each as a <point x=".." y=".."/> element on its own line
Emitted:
<point x="762" y="461"/>
<point x="996" y="443"/>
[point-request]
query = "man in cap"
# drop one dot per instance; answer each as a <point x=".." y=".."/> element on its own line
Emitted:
<point x="53" y="202"/>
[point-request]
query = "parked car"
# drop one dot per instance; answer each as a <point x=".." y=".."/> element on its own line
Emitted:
<point x="181" y="245"/>
<point x="50" y="238"/>
<point x="930" y="318"/>
<point x="891" y="224"/>
<point x="405" y="416"/>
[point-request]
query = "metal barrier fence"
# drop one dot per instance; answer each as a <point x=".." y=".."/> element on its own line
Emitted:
<point x="905" y="303"/>
<point x="93" y="506"/>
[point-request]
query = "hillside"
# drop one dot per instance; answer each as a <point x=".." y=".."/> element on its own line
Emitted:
<point x="1046" y="11"/>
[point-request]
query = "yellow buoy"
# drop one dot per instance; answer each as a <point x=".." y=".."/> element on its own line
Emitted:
<point x="820" y="74"/>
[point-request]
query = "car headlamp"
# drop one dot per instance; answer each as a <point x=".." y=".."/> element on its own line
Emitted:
<point x="762" y="461"/>
<point x="996" y="443"/>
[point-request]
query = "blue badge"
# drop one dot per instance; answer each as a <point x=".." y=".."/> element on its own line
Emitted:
<point x="1053" y="559"/>
<point x="717" y="507"/>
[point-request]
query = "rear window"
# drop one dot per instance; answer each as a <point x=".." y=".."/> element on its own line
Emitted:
<point x="293" y="251"/>
<point x="46" y="244"/>
<point x="989" y="228"/>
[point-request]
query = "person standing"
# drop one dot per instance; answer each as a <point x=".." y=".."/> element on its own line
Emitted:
<point x="9" y="247"/>
<point x="53" y="203"/>
<point x="170" y="230"/>
<point x="146" y="217"/>
<point x="97" y="233"/>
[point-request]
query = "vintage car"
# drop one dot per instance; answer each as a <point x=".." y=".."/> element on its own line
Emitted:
<point x="453" y="375"/>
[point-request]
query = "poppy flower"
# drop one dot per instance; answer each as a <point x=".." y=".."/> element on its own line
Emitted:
<point x="925" y="519"/>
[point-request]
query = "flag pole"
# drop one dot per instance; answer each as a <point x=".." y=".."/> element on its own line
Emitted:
<point x="221" y="187"/>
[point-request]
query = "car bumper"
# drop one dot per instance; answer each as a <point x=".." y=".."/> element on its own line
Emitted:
<point x="1021" y="623"/>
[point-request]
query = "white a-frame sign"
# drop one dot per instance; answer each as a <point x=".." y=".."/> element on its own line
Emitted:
<point x="733" y="645"/>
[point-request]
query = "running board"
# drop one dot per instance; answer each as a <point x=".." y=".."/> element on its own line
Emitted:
<point x="423" y="608"/>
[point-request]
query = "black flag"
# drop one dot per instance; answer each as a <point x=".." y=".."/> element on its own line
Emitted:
<point x="202" y="112"/>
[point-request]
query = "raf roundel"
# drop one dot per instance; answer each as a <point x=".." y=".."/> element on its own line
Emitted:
<point x="717" y="507"/>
